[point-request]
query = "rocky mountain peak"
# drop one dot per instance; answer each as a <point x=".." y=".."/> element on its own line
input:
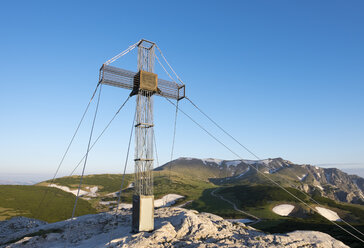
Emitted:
<point x="329" y="182"/>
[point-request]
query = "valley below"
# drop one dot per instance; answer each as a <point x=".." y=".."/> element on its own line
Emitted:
<point x="238" y="191"/>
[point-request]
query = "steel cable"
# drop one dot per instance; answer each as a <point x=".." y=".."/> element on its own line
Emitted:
<point x="208" y="117"/>
<point x="84" y="165"/>
<point x="122" y="180"/>
<point x="121" y="54"/>
<point x="160" y="51"/>
<point x="103" y="131"/>
<point x="174" y="138"/>
<point x="68" y="147"/>
<point x="274" y="182"/>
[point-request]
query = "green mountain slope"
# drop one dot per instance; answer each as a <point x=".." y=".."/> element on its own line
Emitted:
<point x="329" y="182"/>
<point x="202" y="182"/>
<point x="19" y="200"/>
<point x="165" y="182"/>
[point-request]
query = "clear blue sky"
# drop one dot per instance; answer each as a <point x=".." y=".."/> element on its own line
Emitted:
<point x="285" y="77"/>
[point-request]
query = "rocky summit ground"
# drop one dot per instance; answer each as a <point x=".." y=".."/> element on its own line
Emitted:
<point x="174" y="227"/>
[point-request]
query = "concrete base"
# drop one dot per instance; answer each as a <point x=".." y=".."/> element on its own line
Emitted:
<point x="143" y="213"/>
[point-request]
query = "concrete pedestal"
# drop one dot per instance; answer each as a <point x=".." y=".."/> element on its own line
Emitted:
<point x="143" y="213"/>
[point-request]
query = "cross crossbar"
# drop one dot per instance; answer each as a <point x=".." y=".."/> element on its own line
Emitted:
<point x="114" y="76"/>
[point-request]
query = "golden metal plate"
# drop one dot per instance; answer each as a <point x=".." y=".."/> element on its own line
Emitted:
<point x="148" y="81"/>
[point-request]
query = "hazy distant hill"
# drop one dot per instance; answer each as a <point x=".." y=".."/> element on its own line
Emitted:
<point x="22" y="178"/>
<point x="329" y="182"/>
<point x="355" y="171"/>
<point x="17" y="182"/>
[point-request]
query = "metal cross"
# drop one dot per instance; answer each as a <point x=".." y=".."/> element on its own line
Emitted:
<point x="144" y="84"/>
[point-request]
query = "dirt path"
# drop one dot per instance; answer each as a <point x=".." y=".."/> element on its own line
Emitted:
<point x="235" y="207"/>
<point x="183" y="204"/>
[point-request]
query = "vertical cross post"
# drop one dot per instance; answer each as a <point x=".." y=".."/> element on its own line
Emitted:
<point x="144" y="84"/>
<point x="143" y="199"/>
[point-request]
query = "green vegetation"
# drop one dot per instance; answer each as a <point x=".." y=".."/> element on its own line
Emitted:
<point x="193" y="169"/>
<point x="107" y="183"/>
<point x="211" y="204"/>
<point x="356" y="211"/>
<point x="177" y="183"/>
<point x="260" y="199"/>
<point x="165" y="182"/>
<point x="174" y="183"/>
<point x="25" y="201"/>
<point x="253" y="194"/>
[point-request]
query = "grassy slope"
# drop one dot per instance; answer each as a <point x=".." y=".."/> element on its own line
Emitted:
<point x="177" y="183"/>
<point x="107" y="183"/>
<point x="260" y="199"/>
<point x="210" y="204"/>
<point x="256" y="198"/>
<point x="165" y="182"/>
<point x="24" y="200"/>
<point x="251" y="196"/>
<point x="195" y="169"/>
<point x="284" y="177"/>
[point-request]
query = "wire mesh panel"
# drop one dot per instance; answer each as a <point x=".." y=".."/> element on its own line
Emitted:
<point x="144" y="128"/>
<point x="118" y="77"/>
<point x="144" y="144"/>
<point x="144" y="87"/>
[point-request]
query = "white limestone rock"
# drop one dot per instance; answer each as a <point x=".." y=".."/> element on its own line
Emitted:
<point x="174" y="227"/>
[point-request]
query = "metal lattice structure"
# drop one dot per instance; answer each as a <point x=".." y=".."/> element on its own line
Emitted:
<point x="118" y="77"/>
<point x="144" y="126"/>
<point x="122" y="78"/>
<point x="144" y="84"/>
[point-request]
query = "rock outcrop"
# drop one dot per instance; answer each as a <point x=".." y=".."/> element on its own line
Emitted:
<point x="174" y="227"/>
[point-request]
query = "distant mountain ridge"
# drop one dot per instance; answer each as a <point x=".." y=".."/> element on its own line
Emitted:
<point x="329" y="182"/>
<point x="18" y="182"/>
<point x="22" y="178"/>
